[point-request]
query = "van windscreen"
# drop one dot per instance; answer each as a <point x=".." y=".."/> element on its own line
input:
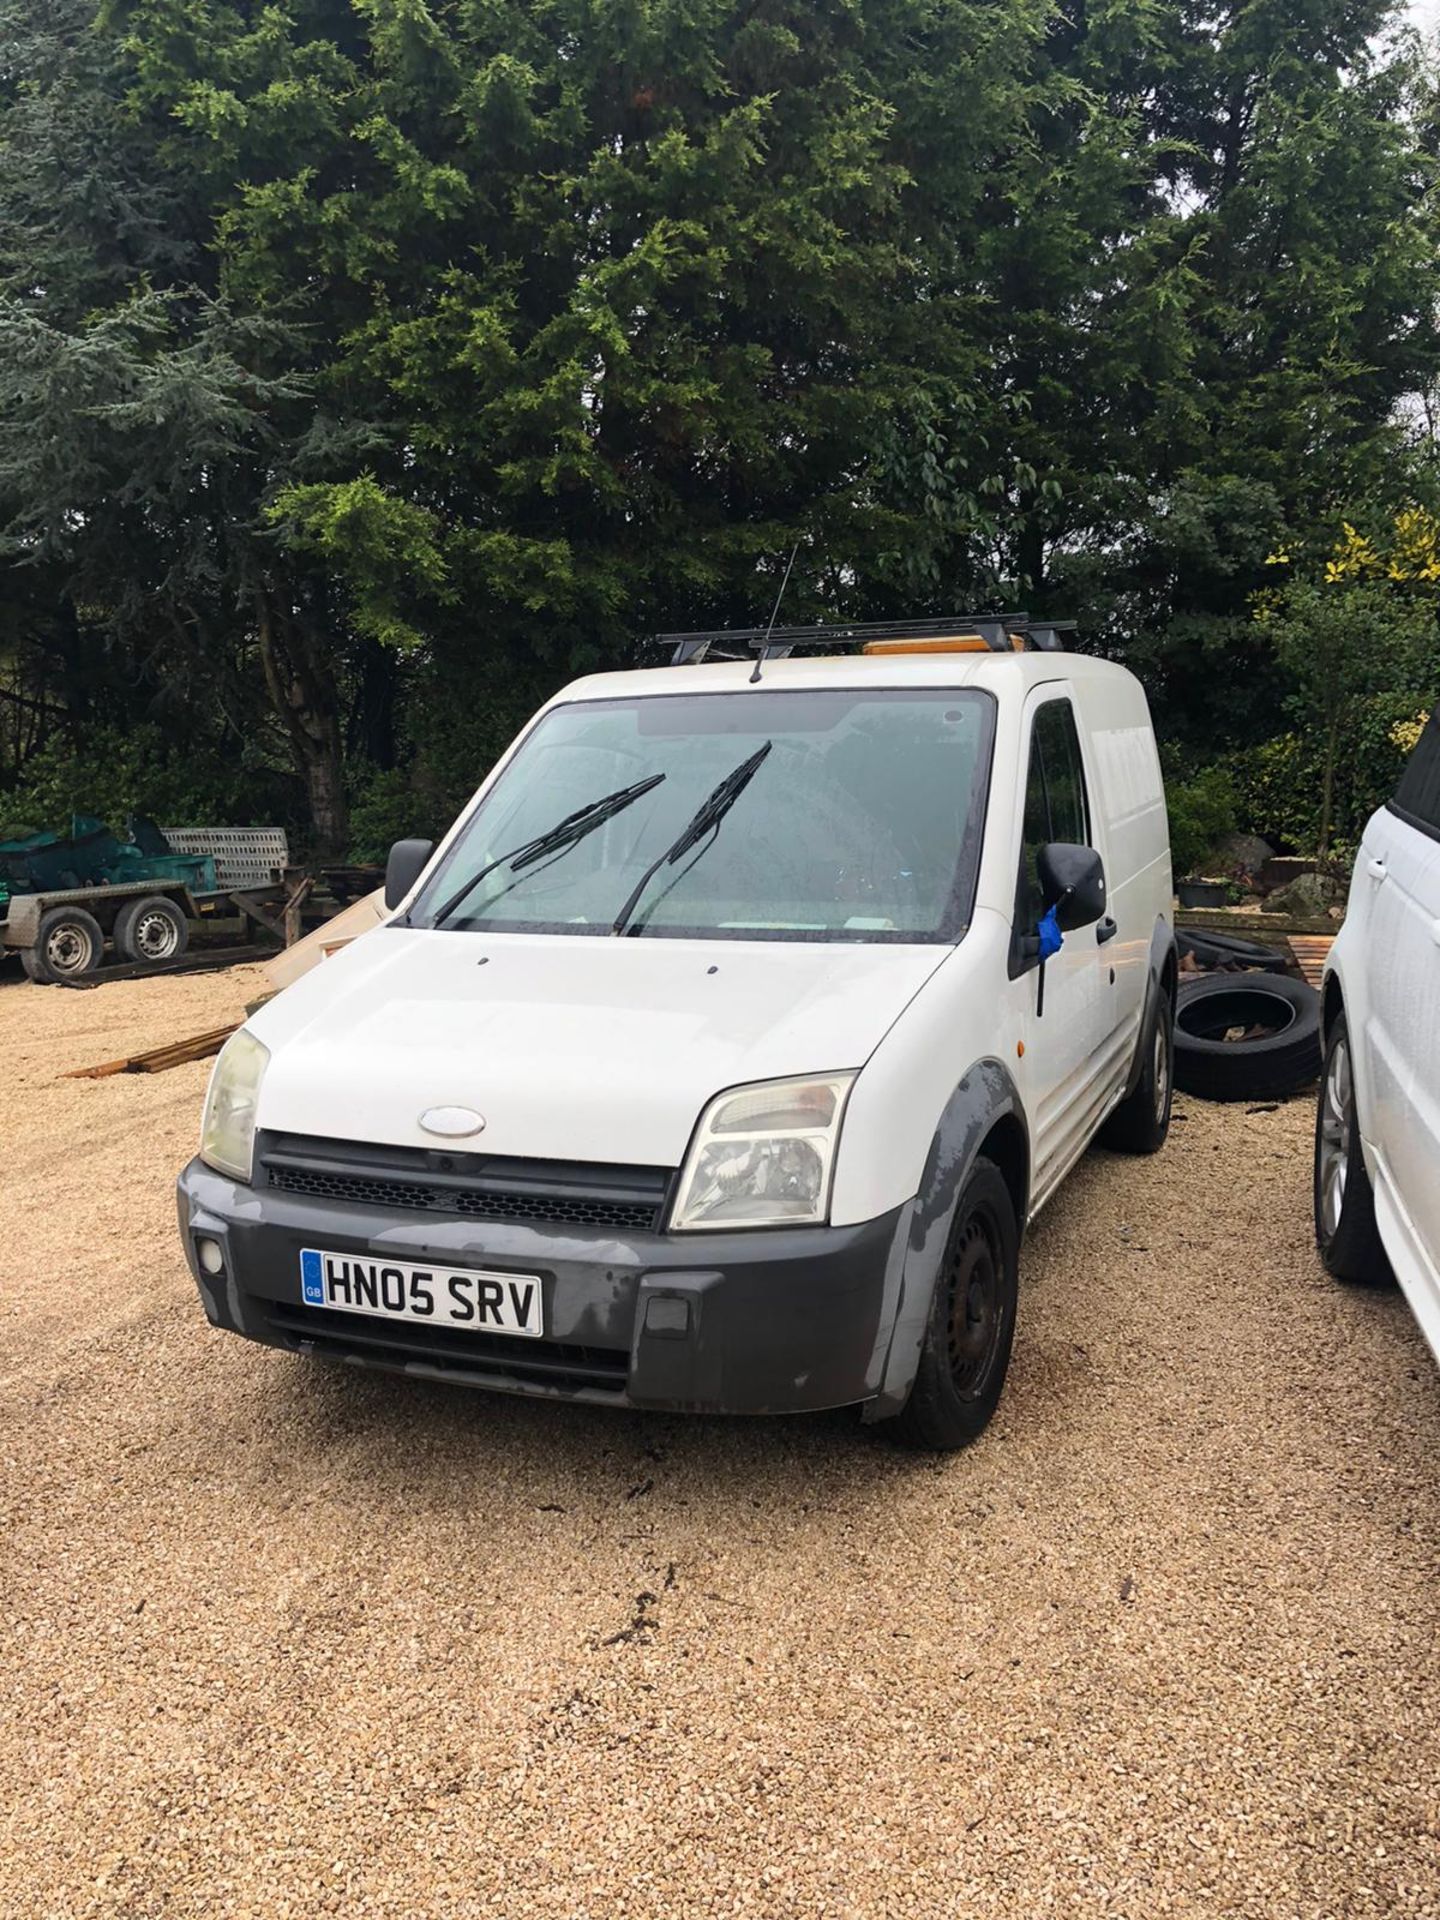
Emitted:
<point x="786" y="814"/>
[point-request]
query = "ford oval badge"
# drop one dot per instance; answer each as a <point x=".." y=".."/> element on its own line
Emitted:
<point x="452" y="1123"/>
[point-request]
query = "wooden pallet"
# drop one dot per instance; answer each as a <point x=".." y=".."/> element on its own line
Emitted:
<point x="1310" y="951"/>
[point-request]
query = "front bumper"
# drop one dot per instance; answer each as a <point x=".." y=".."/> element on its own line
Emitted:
<point x="783" y="1320"/>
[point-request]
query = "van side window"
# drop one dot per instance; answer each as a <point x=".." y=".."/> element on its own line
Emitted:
<point x="1056" y="807"/>
<point x="1417" y="798"/>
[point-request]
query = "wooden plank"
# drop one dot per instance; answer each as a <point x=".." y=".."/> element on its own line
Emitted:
<point x="1310" y="951"/>
<point x="259" y="908"/>
<point x="290" y="917"/>
<point x="177" y="1053"/>
<point x="1250" y="922"/>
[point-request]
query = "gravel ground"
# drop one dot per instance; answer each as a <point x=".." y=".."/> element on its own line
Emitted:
<point x="283" y="1640"/>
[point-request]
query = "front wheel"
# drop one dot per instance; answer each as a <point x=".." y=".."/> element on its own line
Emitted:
<point x="1345" y="1232"/>
<point x="1141" y="1122"/>
<point x="966" y="1353"/>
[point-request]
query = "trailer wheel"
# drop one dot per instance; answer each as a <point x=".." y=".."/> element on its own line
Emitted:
<point x="69" y="943"/>
<point x="151" y="928"/>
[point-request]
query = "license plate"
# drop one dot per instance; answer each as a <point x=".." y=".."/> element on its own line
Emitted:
<point x="469" y="1298"/>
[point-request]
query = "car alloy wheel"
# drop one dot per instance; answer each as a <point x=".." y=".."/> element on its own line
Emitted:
<point x="1335" y="1107"/>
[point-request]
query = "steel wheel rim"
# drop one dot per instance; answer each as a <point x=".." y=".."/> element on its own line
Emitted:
<point x="67" y="950"/>
<point x="1335" y="1102"/>
<point x="156" y="937"/>
<point x="977" y="1310"/>
<point x="1161" y="1070"/>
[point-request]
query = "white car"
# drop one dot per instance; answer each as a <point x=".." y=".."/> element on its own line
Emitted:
<point x="1377" y="1132"/>
<point x="711" y="1061"/>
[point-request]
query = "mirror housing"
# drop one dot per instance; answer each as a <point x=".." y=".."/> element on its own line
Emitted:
<point x="1072" y="880"/>
<point x="408" y="860"/>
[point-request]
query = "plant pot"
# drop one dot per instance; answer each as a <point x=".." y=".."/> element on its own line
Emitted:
<point x="1203" y="893"/>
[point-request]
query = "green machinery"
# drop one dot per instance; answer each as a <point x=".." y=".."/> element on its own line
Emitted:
<point x="92" y="856"/>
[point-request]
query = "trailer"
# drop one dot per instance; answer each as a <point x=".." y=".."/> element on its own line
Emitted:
<point x="68" y="900"/>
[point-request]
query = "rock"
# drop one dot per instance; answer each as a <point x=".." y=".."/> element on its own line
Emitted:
<point x="1308" y="897"/>
<point x="1240" y="853"/>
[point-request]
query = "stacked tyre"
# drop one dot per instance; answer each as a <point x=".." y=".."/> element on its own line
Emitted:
<point x="1228" y="951"/>
<point x="1246" y="1036"/>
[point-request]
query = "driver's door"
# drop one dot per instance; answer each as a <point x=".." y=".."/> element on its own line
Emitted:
<point x="1065" y="1006"/>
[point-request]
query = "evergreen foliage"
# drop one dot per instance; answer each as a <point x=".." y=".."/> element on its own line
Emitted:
<point x="370" y="366"/>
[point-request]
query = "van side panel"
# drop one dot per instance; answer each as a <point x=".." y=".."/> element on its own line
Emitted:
<point x="954" y="1020"/>
<point x="1134" y="834"/>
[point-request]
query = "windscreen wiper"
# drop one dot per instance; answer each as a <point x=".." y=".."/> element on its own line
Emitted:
<point x="560" y="838"/>
<point x="706" y="819"/>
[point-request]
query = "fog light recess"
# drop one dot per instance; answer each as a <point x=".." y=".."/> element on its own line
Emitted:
<point x="211" y="1255"/>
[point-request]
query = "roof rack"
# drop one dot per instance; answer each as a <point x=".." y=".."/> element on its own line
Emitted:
<point x="1000" y="632"/>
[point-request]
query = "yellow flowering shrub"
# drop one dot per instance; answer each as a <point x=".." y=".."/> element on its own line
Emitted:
<point x="1405" y="734"/>
<point x="1411" y="554"/>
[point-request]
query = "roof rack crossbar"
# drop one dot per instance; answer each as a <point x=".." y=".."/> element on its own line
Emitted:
<point x="1000" y="632"/>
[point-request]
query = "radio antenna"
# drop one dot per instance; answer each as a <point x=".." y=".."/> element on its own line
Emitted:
<point x="774" y="611"/>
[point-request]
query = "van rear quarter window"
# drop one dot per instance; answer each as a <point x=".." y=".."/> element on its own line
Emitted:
<point x="862" y="820"/>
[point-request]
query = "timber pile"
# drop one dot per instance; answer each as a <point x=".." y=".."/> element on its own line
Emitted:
<point x="198" y="1047"/>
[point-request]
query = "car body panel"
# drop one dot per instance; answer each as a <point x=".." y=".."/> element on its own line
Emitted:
<point x="1385" y="969"/>
<point x="571" y="1048"/>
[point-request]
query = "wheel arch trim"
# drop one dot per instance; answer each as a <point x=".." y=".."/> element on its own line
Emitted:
<point x="986" y="1098"/>
<point x="1162" y="971"/>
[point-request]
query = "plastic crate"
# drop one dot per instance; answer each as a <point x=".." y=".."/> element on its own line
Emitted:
<point x="246" y="858"/>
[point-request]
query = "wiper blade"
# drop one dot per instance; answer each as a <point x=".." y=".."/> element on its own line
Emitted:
<point x="706" y="819"/>
<point x="560" y="838"/>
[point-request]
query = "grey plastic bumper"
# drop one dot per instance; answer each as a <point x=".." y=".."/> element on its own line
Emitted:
<point x="783" y="1320"/>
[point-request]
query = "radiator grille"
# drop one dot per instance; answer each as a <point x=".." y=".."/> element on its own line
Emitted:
<point x="602" y="1198"/>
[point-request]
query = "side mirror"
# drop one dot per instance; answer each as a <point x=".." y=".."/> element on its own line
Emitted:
<point x="1072" y="880"/>
<point x="408" y="860"/>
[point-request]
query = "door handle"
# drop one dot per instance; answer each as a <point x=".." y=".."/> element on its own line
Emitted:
<point x="1106" y="930"/>
<point x="1376" y="869"/>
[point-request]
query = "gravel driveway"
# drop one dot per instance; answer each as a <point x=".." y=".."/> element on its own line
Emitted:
<point x="281" y="1640"/>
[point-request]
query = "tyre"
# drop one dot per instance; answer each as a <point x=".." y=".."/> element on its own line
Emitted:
<point x="1345" y="1230"/>
<point x="152" y="928"/>
<point x="966" y="1352"/>
<point x="1141" y="1122"/>
<point x="1273" y="1044"/>
<point x="69" y="943"/>
<point x="1210" y="949"/>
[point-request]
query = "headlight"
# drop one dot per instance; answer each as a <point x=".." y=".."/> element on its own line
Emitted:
<point x="227" y="1133"/>
<point x="762" y="1156"/>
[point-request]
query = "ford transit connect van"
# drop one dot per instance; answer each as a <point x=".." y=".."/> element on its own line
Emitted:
<point x="720" y="1055"/>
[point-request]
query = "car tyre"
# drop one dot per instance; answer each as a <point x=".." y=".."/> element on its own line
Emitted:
<point x="1281" y="1059"/>
<point x="1141" y="1122"/>
<point x="1210" y="949"/>
<point x="151" y="929"/>
<point x="1345" y="1231"/>
<point x="971" y="1329"/>
<point x="68" y="945"/>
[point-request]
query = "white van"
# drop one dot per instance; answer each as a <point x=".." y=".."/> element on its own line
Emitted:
<point x="711" y="1062"/>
